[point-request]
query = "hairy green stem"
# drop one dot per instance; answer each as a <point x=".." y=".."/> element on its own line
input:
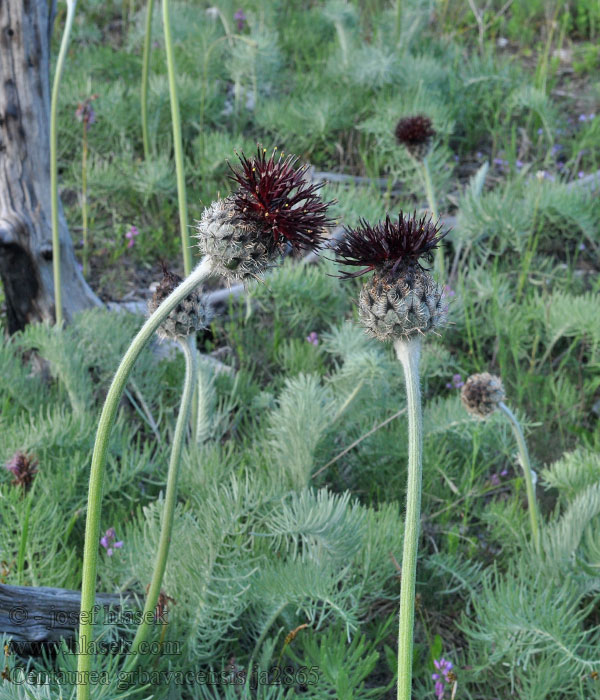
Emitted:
<point x="408" y="352"/>
<point x="526" y="464"/>
<point x="145" y="72"/>
<point x="58" y="311"/>
<point x="107" y="419"/>
<point x="191" y="365"/>
<point x="177" y="143"/>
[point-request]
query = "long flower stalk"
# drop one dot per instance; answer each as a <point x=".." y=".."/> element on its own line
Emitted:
<point x="526" y="464"/>
<point x="145" y="73"/>
<point x="84" y="209"/>
<point x="107" y="419"/>
<point x="177" y="142"/>
<point x="191" y="367"/>
<point x="64" y="44"/>
<point x="408" y="352"/>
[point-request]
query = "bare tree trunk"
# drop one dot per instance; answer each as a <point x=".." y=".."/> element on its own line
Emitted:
<point x="25" y="221"/>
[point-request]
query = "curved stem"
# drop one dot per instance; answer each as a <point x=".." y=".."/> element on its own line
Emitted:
<point x="526" y="464"/>
<point x="188" y="347"/>
<point x="107" y="419"/>
<point x="176" y="119"/>
<point x="408" y="352"/>
<point x="145" y="72"/>
<point x="58" y="312"/>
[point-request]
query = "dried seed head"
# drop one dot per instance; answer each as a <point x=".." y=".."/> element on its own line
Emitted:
<point x="415" y="134"/>
<point x="23" y="468"/>
<point x="397" y="307"/>
<point x="482" y="393"/>
<point x="189" y="316"/>
<point x="272" y="206"/>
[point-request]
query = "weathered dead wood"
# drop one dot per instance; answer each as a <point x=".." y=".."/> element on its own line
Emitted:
<point x="25" y="210"/>
<point x="32" y="615"/>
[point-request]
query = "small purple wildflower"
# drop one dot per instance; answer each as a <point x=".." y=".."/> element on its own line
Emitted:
<point x="581" y="246"/>
<point x="540" y="131"/>
<point x="591" y="116"/>
<point x="456" y="383"/>
<point x="108" y="541"/>
<point x="456" y="158"/>
<point x="441" y="677"/>
<point x="131" y="234"/>
<point x="240" y="18"/>
<point x="313" y="338"/>
<point x="519" y="163"/>
<point x="479" y="154"/>
<point x="581" y="174"/>
<point x="448" y="291"/>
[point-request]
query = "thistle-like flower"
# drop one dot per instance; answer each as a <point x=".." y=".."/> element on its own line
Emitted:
<point x="24" y="468"/>
<point x="415" y="134"/>
<point x="190" y="315"/>
<point x="482" y="393"/>
<point x="402" y="298"/>
<point x="273" y="206"/>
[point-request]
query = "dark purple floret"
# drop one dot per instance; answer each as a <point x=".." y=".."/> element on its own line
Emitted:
<point x="388" y="245"/>
<point x="413" y="131"/>
<point x="274" y="194"/>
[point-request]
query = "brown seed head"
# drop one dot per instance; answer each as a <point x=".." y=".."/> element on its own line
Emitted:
<point x="190" y="315"/>
<point x="24" y="468"/>
<point x="482" y="393"/>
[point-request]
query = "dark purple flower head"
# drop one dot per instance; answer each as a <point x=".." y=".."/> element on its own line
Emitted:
<point x="23" y="467"/>
<point x="414" y="131"/>
<point x="388" y="246"/>
<point x="274" y="194"/>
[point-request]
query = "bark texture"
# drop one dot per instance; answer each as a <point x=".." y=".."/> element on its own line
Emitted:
<point x="25" y="212"/>
<point x="40" y="615"/>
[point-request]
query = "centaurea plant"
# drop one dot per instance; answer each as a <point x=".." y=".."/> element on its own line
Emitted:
<point x="241" y="237"/>
<point x="401" y="304"/>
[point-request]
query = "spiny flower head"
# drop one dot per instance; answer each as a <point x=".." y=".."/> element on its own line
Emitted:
<point x="388" y="246"/>
<point x="23" y="468"/>
<point x="273" y="193"/>
<point x="415" y="132"/>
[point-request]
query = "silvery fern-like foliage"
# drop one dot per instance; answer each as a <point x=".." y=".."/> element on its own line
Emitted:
<point x="463" y="577"/>
<point x="65" y="359"/>
<point x="503" y="219"/>
<point x="296" y="427"/>
<point x="256" y="62"/>
<point x="212" y="564"/>
<point x="316" y="593"/>
<point x="531" y="99"/>
<point x="525" y="615"/>
<point x="307" y="118"/>
<point x="571" y="316"/>
<point x="342" y="668"/>
<point x="351" y="202"/>
<point x="573" y="473"/>
<point x="562" y="538"/>
<point x="315" y="526"/>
